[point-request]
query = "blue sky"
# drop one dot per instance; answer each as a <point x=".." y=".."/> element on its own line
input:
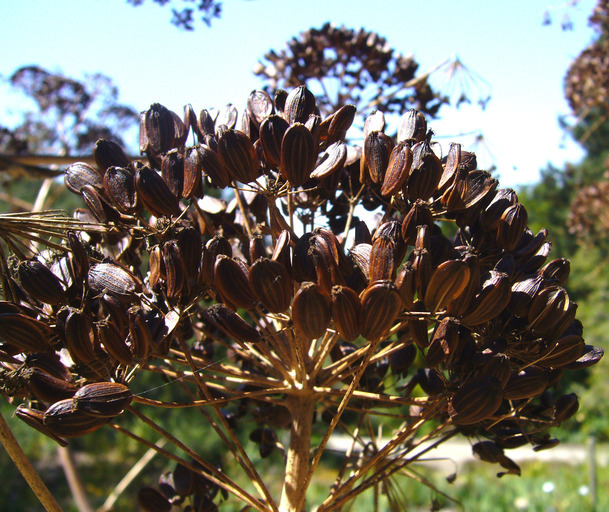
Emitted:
<point x="151" y="61"/>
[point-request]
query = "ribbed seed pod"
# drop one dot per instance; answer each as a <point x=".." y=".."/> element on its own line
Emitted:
<point x="461" y="306"/>
<point x="452" y="163"/>
<point x="119" y="184"/>
<point x="40" y="282"/>
<point x="172" y="171"/>
<point x="381" y="304"/>
<point x="155" y="194"/>
<point x="108" y="154"/>
<point x="311" y="310"/>
<point x="475" y="400"/>
<point x="527" y="383"/>
<point x="63" y="419"/>
<point x="49" y="388"/>
<point x="79" y="335"/>
<point x="174" y="270"/>
<point x="557" y="271"/>
<point x="413" y="125"/>
<point x="239" y="156"/>
<point x="418" y="215"/>
<point x="139" y="334"/>
<point x="377" y="151"/>
<point x="382" y="266"/>
<point x="511" y="226"/>
<point x="159" y="128"/>
<point x="299" y="105"/>
<point x="447" y="283"/>
<point x="331" y="161"/>
<point x="231" y="323"/>
<point x="565" y="407"/>
<point x="25" y="333"/>
<point x="340" y="122"/>
<point x="490" y="217"/>
<point x="103" y="399"/>
<point x="81" y="174"/>
<point x="562" y="352"/>
<point x="231" y="280"/>
<point x="398" y="169"/>
<point x="491" y="301"/>
<point x="444" y="342"/>
<point x="298" y="154"/>
<point x="79" y="260"/>
<point x="213" y="166"/>
<point x="548" y="308"/>
<point x="346" y="312"/>
<point x="272" y="130"/>
<point x="523" y="292"/>
<point x="272" y="284"/>
<point x="425" y="173"/>
<point x="405" y="284"/>
<point x="113" y="342"/>
<point x="115" y="281"/>
<point x="193" y="171"/>
<point x="152" y="500"/>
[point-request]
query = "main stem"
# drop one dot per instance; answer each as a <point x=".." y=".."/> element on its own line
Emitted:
<point x="298" y="456"/>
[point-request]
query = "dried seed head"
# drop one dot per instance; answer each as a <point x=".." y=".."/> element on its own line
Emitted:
<point x="418" y="215"/>
<point x="511" y="226"/>
<point x="377" y="151"/>
<point x="340" y="122"/>
<point x="490" y="301"/>
<point x="382" y="264"/>
<point x="271" y="132"/>
<point x="172" y="171"/>
<point x="398" y="169"/>
<point x="213" y="166"/>
<point x="159" y="128"/>
<point x="331" y="161"/>
<point x="425" y="173"/>
<point x="446" y="285"/>
<point x="79" y="336"/>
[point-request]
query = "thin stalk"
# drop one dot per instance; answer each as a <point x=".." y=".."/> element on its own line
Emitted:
<point x="12" y="447"/>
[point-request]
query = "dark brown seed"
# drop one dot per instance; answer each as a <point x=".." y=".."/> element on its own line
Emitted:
<point x="192" y="173"/>
<point x="382" y="263"/>
<point x="298" y="154"/>
<point x="381" y="304"/>
<point x="80" y="174"/>
<point x="451" y="166"/>
<point x="259" y="105"/>
<point x="231" y="323"/>
<point x="405" y="284"/>
<point x="490" y="217"/>
<point x="548" y="308"/>
<point x="63" y="419"/>
<point x="511" y="226"/>
<point x="444" y="342"/>
<point x="172" y="171"/>
<point x="272" y="283"/>
<point x="562" y="352"/>
<point x="447" y="283"/>
<point x="413" y="125"/>
<point x="331" y="161"/>
<point x="271" y="132"/>
<point x="377" y="151"/>
<point x="565" y="407"/>
<point x="491" y="301"/>
<point x="488" y="451"/>
<point x="40" y="282"/>
<point x="346" y="312"/>
<point x="311" y="310"/>
<point x="239" y="156"/>
<point x="114" y="343"/>
<point x="299" y="105"/>
<point x="398" y="169"/>
<point x="79" y="335"/>
<point x="151" y="500"/>
<point x="34" y="419"/>
<point x="109" y="154"/>
<point x="213" y="166"/>
<point x="155" y="194"/>
<point x="98" y="206"/>
<point x="523" y="292"/>
<point x="119" y="184"/>
<point x="557" y="271"/>
<point x="25" y="333"/>
<point x="418" y="215"/>
<point x="49" y="388"/>
<point x="115" y="281"/>
<point x="139" y="334"/>
<point x="231" y="280"/>
<point x="174" y="270"/>
<point x="476" y="400"/>
<point x="103" y="399"/>
<point x="79" y="259"/>
<point x="425" y="173"/>
<point x="159" y="126"/>
<point x="527" y="383"/>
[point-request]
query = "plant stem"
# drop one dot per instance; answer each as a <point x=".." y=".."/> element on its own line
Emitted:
<point x="25" y="467"/>
<point x="298" y="456"/>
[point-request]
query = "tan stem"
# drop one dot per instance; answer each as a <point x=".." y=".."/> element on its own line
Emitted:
<point x="298" y="456"/>
<point x="26" y="469"/>
<point x="74" y="482"/>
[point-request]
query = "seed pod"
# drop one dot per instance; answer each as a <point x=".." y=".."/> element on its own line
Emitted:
<point x="109" y="154"/>
<point x="339" y="123"/>
<point x="272" y="284"/>
<point x="591" y="356"/>
<point x="425" y="173"/>
<point x="172" y="171"/>
<point x="377" y="151"/>
<point x="413" y="125"/>
<point x="405" y="284"/>
<point x="239" y="156"/>
<point x="231" y="323"/>
<point x="40" y="283"/>
<point x="557" y="271"/>
<point x="49" y="388"/>
<point x="25" y="333"/>
<point x="311" y="310"/>
<point x="63" y="419"/>
<point x="213" y="166"/>
<point x="231" y="280"/>
<point x="490" y="302"/>
<point x="79" y="335"/>
<point x="281" y="251"/>
<point x="299" y="105"/>
<point x="159" y="127"/>
<point x="151" y="500"/>
<point x="423" y="270"/>
<point x="360" y="255"/>
<point x="139" y="334"/>
<point x="97" y="205"/>
<point x="174" y="270"/>
<point x="451" y="166"/>
<point x="115" y="281"/>
<point x="418" y="215"/>
<point x="402" y="359"/>
<point x="488" y="451"/>
<point x="398" y="169"/>
<point x="192" y="173"/>
<point x="447" y="283"/>
<point x="81" y="174"/>
<point x="548" y="308"/>
<point x="490" y="217"/>
<point x="511" y="226"/>
<point x="79" y="260"/>
<point x="271" y="132"/>
<point x="298" y="154"/>
<point x="523" y="292"/>
<point x="382" y="263"/>
<point x="444" y="342"/>
<point x="103" y="399"/>
<point x="381" y="304"/>
<point x="155" y="194"/>
<point x="113" y="342"/>
<point x="346" y="312"/>
<point x="461" y="306"/>
<point x="453" y="199"/>
<point x="562" y="352"/>
<point x="375" y="122"/>
<point x="119" y="184"/>
<point x="475" y="400"/>
<point x="565" y="407"/>
<point x="527" y="383"/>
<point x="34" y="419"/>
<point x="332" y="160"/>
<point x="418" y="329"/>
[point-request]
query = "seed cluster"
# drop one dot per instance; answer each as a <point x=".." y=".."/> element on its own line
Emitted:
<point x="282" y="296"/>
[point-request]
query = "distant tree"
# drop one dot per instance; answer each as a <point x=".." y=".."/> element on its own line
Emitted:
<point x="184" y="17"/>
<point x="70" y="115"/>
